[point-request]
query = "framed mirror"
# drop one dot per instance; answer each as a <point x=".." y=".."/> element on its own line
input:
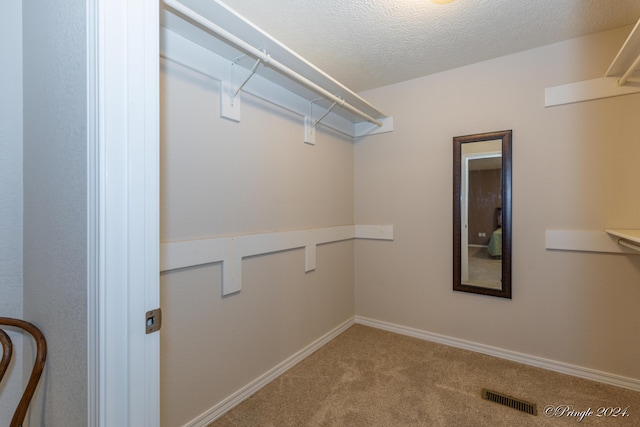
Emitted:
<point x="482" y="213"/>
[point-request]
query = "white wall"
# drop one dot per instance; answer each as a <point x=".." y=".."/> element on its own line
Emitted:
<point x="55" y="203"/>
<point x="573" y="168"/>
<point x="11" y="192"/>
<point x="222" y="178"/>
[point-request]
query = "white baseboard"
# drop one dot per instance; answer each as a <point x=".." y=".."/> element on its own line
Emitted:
<point x="552" y="365"/>
<point x="236" y="398"/>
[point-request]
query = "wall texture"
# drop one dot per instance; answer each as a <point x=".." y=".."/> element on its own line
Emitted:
<point x="572" y="169"/>
<point x="55" y="203"/>
<point x="221" y="178"/>
<point x="11" y="192"/>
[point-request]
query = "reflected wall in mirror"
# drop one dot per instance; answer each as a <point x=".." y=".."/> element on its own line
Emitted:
<point x="482" y="213"/>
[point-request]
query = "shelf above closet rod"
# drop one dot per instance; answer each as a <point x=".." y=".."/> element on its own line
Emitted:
<point x="216" y="27"/>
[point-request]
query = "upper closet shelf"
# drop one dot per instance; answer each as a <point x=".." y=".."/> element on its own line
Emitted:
<point x="618" y="80"/>
<point x="209" y="37"/>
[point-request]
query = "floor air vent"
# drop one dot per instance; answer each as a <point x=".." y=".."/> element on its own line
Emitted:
<point x="520" y="405"/>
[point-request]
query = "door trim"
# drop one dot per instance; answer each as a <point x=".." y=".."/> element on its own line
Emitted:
<point x="123" y="211"/>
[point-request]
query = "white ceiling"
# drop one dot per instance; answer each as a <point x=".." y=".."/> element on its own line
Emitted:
<point x="366" y="44"/>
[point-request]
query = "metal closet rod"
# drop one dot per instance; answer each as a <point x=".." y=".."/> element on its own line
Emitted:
<point x="267" y="59"/>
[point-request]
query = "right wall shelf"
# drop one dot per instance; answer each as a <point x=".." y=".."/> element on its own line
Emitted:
<point x="615" y="82"/>
<point x="613" y="241"/>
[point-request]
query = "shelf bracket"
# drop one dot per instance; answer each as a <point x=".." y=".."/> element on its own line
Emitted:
<point x="629" y="72"/>
<point x="230" y="103"/>
<point x="251" y="73"/>
<point x="629" y="244"/>
<point x="325" y="114"/>
<point x="310" y="124"/>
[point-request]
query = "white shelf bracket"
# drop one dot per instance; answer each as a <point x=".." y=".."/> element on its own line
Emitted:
<point x="309" y="127"/>
<point x="230" y="100"/>
<point x="325" y="113"/>
<point x="309" y="131"/>
<point x="629" y="244"/>
<point x="625" y="77"/>
<point x="251" y="73"/>
<point x="229" y="103"/>
<point x="627" y="238"/>
<point x="310" y="124"/>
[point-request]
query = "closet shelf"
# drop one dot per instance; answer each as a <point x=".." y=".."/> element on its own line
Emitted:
<point x="627" y="238"/>
<point x="613" y="83"/>
<point x="252" y="54"/>
<point x="615" y="241"/>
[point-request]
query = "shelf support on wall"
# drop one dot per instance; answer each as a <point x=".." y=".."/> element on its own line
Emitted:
<point x="230" y="104"/>
<point x="628" y="238"/>
<point x="310" y="124"/>
<point x="251" y="73"/>
<point x="629" y="244"/>
<point x="625" y="77"/>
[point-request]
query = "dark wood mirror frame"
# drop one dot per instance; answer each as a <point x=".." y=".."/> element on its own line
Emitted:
<point x="506" y="137"/>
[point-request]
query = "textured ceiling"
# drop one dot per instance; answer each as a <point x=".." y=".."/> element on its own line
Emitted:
<point x="372" y="43"/>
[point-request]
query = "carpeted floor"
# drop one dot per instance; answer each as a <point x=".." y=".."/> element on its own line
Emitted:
<point x="369" y="377"/>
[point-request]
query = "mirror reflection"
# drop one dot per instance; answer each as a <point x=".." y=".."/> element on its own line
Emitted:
<point x="482" y="176"/>
<point x="482" y="214"/>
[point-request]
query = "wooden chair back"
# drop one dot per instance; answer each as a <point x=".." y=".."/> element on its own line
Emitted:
<point x="38" y="365"/>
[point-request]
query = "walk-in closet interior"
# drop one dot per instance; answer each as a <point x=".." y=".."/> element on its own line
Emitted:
<point x="290" y="211"/>
<point x="197" y="195"/>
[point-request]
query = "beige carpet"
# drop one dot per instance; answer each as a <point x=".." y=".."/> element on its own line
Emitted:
<point x="369" y="377"/>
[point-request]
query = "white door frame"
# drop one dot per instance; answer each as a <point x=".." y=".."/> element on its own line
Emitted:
<point x="123" y="228"/>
